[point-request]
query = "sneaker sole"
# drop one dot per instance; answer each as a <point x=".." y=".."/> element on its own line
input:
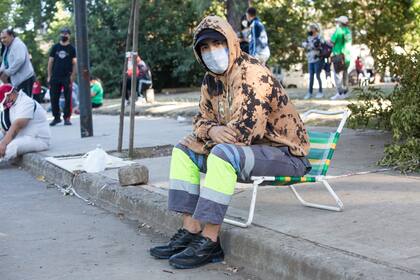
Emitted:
<point x="160" y="257"/>
<point x="215" y="259"/>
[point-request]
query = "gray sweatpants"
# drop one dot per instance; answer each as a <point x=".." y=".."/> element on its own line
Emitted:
<point x="226" y="164"/>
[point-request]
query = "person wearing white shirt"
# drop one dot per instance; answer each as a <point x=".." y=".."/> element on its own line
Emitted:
<point x="24" y="126"/>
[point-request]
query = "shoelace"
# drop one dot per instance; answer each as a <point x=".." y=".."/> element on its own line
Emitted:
<point x="197" y="242"/>
<point x="177" y="235"/>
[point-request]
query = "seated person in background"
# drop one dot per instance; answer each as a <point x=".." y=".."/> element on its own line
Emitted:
<point x="246" y="126"/>
<point x="37" y="91"/>
<point x="96" y="92"/>
<point x="129" y="74"/>
<point x="145" y="78"/>
<point x="24" y="126"/>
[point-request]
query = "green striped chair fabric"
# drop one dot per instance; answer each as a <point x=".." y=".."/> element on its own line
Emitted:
<point x="322" y="149"/>
<point x="321" y="152"/>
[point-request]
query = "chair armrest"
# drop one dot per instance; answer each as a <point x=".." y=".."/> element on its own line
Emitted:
<point x="345" y="114"/>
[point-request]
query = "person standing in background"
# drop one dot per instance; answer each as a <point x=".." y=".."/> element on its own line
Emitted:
<point x="341" y="39"/>
<point x="243" y="35"/>
<point x="312" y="46"/>
<point x="61" y="74"/>
<point x="16" y="66"/>
<point x="359" y="68"/>
<point x="258" y="45"/>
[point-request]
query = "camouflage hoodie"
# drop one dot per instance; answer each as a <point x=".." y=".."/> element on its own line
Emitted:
<point x="246" y="98"/>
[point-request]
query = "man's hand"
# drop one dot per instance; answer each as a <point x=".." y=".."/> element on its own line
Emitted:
<point x="48" y="80"/>
<point x="222" y="134"/>
<point x="192" y="144"/>
<point x="2" y="149"/>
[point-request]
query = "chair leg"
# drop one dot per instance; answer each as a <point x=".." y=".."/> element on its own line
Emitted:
<point x="251" y="208"/>
<point x="339" y="206"/>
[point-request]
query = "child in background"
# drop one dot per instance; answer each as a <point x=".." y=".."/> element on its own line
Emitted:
<point x="96" y="92"/>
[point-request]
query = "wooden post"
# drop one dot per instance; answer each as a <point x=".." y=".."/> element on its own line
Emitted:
<point x="124" y="78"/>
<point x="134" y="77"/>
<point x="85" y="105"/>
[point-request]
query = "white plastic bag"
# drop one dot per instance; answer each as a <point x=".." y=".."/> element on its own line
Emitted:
<point x="95" y="160"/>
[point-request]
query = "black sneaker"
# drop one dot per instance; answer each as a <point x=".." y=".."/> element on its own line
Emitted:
<point x="201" y="251"/>
<point x="67" y="122"/>
<point x="178" y="243"/>
<point x="54" y="122"/>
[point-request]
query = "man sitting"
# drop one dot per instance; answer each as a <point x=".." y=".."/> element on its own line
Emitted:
<point x="96" y="92"/>
<point x="246" y="126"/>
<point x="24" y="126"/>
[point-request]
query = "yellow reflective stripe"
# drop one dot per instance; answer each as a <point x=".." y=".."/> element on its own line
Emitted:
<point x="316" y="161"/>
<point x="183" y="168"/>
<point x="320" y="146"/>
<point x="327" y="162"/>
<point x="333" y="146"/>
<point x="221" y="176"/>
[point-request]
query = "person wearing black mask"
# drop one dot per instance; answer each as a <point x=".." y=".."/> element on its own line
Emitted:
<point x="61" y="74"/>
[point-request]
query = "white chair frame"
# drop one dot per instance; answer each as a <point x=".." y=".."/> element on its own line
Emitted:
<point x="257" y="180"/>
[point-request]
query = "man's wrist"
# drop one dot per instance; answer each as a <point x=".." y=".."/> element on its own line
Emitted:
<point x="208" y="131"/>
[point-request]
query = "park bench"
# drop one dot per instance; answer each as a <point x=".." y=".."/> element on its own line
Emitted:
<point x="320" y="155"/>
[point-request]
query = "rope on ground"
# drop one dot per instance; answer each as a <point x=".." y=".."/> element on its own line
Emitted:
<point x="69" y="190"/>
<point x="359" y="173"/>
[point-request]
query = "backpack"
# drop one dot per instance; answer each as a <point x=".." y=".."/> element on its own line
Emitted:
<point x="338" y="62"/>
<point x="326" y="50"/>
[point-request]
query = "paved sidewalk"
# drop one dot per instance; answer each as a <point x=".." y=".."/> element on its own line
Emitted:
<point x="376" y="237"/>
<point x="186" y="104"/>
<point x="45" y="235"/>
<point x="148" y="132"/>
<point x="180" y="104"/>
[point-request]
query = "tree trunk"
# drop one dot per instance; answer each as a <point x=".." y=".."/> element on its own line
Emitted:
<point x="235" y="10"/>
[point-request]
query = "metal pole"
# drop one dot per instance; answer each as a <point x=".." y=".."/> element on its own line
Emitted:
<point x="124" y="78"/>
<point x="134" y="77"/>
<point x="83" y="75"/>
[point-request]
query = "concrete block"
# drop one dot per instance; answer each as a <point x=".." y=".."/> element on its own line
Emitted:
<point x="134" y="174"/>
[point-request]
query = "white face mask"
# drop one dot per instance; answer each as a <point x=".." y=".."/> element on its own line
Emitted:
<point x="217" y="61"/>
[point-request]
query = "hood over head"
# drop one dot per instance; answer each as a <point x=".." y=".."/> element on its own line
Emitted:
<point x="223" y="27"/>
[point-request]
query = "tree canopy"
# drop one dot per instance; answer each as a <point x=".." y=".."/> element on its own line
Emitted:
<point x="166" y="30"/>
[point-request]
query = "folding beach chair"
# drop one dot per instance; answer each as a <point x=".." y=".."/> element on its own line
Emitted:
<point x="322" y="149"/>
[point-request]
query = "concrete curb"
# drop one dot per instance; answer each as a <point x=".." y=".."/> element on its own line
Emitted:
<point x="260" y="251"/>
